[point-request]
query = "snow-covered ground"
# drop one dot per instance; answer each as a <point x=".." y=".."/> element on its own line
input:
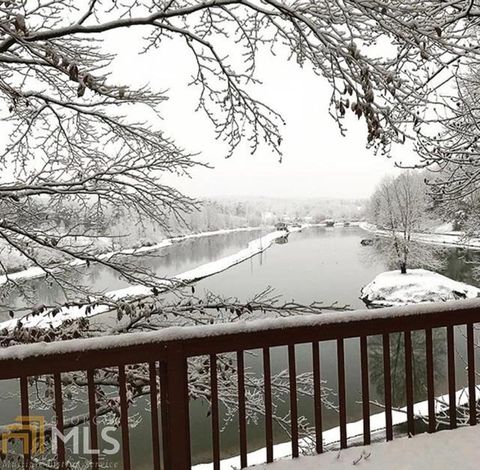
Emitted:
<point x="35" y="272"/>
<point x="46" y="319"/>
<point x="444" y="450"/>
<point x="354" y="431"/>
<point x="417" y="285"/>
<point x="448" y="239"/>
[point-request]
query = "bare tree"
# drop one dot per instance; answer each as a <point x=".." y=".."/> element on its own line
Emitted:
<point x="72" y="137"/>
<point x="73" y="141"/>
<point x="400" y="207"/>
<point x="451" y="149"/>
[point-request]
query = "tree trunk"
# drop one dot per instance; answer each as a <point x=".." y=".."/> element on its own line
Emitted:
<point x="403" y="268"/>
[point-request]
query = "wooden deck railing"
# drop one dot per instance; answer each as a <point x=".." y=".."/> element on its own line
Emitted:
<point x="167" y="352"/>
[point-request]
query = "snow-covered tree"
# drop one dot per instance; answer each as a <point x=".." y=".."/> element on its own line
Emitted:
<point x="72" y="131"/>
<point x="451" y="149"/>
<point x="400" y="206"/>
<point x="73" y="137"/>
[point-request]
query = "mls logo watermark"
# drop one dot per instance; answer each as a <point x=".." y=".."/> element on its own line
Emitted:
<point x="30" y="431"/>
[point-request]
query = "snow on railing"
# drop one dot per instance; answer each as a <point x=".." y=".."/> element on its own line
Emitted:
<point x="166" y="353"/>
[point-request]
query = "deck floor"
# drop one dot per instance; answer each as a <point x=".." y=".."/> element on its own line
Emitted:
<point x="445" y="450"/>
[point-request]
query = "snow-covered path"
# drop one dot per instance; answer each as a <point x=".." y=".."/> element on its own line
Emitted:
<point x="444" y="450"/>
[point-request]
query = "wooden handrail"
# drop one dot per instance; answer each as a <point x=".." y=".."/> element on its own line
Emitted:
<point x="167" y="353"/>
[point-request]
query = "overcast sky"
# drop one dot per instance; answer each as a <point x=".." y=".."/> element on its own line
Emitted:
<point x="317" y="162"/>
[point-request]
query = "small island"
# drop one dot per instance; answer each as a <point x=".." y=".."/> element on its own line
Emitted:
<point x="392" y="288"/>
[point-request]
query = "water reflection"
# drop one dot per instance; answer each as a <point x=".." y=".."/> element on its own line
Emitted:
<point x="459" y="264"/>
<point x="397" y="362"/>
<point x="282" y="240"/>
<point x="167" y="262"/>
<point x="316" y="264"/>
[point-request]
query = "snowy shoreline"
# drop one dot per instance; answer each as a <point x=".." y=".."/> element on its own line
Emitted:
<point x="135" y="292"/>
<point x="451" y="240"/>
<point x="35" y="272"/>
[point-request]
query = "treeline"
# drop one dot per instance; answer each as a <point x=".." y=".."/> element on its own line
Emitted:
<point x="111" y="228"/>
<point x="230" y="213"/>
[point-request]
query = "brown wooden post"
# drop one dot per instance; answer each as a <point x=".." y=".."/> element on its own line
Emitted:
<point x="387" y="384"/>
<point x="452" y="396"/>
<point x="317" y="397"/>
<point x="25" y="412"/>
<point x="267" y="387"/>
<point x="242" y="413"/>
<point x="409" y="382"/>
<point x="430" y="381"/>
<point x="178" y="417"/>
<point x="342" y="401"/>
<point x="472" y="394"/>
<point x="365" y="390"/>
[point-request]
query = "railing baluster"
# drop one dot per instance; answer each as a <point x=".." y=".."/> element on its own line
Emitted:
<point x="472" y="399"/>
<point x="214" y="412"/>
<point x="57" y="386"/>
<point x="154" y="415"/>
<point x="430" y="381"/>
<point x="122" y="381"/>
<point x="92" y="412"/>
<point x="178" y="426"/>
<point x="317" y="397"/>
<point x="387" y="381"/>
<point x="365" y="390"/>
<point x="451" y="378"/>
<point x="292" y="374"/>
<point x="341" y="392"/>
<point x="268" y="404"/>
<point x="409" y="381"/>
<point x="25" y="409"/>
<point x="162" y="372"/>
<point x="173" y="373"/>
<point x="242" y="415"/>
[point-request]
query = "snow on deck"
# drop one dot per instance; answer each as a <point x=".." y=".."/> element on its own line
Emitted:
<point x="417" y="285"/>
<point x="444" y="450"/>
<point x="331" y="437"/>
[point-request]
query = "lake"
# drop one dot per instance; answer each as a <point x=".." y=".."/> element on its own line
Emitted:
<point x="324" y="264"/>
